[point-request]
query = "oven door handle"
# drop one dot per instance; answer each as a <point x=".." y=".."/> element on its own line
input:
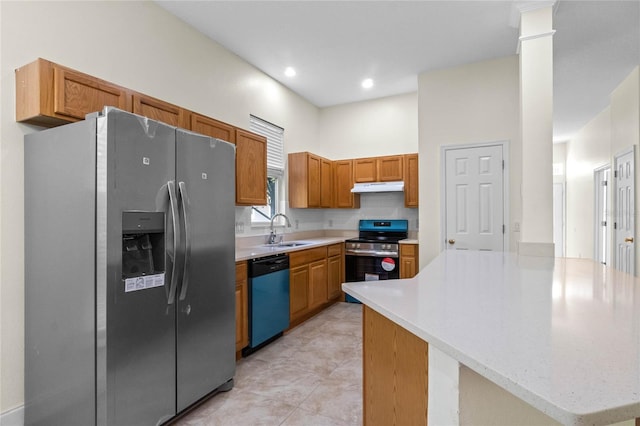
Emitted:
<point x="371" y="253"/>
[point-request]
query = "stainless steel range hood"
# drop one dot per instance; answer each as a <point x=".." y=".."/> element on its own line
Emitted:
<point x="397" y="186"/>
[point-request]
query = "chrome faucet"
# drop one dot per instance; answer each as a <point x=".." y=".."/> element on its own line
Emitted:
<point x="272" y="234"/>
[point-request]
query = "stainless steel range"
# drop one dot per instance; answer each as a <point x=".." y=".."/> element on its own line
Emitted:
<point x="374" y="255"/>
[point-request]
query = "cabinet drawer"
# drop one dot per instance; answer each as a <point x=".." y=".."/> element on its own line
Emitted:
<point x="241" y="271"/>
<point x="407" y="249"/>
<point x="334" y="249"/>
<point x="307" y="256"/>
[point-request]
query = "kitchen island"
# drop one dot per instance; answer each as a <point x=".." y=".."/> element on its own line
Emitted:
<point x="562" y="335"/>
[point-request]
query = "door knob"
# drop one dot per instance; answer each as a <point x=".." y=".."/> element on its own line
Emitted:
<point x="452" y="241"/>
<point x="628" y="240"/>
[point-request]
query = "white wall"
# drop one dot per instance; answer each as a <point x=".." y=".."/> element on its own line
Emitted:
<point x="588" y="150"/>
<point x="560" y="157"/>
<point x="383" y="126"/>
<point x="616" y="128"/>
<point x="625" y="113"/>
<point x="137" y="45"/>
<point x="473" y="103"/>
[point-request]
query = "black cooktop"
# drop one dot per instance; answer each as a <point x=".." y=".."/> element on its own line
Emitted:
<point x="381" y="231"/>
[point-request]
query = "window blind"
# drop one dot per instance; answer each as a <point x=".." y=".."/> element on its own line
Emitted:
<point x="275" y="143"/>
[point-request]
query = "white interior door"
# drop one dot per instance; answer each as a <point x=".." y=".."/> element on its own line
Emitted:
<point x="602" y="221"/>
<point x="474" y="198"/>
<point x="625" y="229"/>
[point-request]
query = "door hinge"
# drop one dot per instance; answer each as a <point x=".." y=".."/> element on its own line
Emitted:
<point x="503" y="229"/>
<point x="604" y="223"/>
<point x="615" y="173"/>
<point x="604" y="183"/>
<point x="502" y="164"/>
<point x="615" y="225"/>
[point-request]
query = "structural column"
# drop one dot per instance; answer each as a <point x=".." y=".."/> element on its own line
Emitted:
<point x="536" y="115"/>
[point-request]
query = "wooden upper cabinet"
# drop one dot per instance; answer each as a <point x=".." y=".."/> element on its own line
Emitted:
<point x="251" y="169"/>
<point x="159" y="110"/>
<point x="343" y="183"/>
<point x="214" y="128"/>
<point x="313" y="180"/>
<point x="326" y="183"/>
<point x="390" y="168"/>
<point x="411" y="180"/>
<point x="310" y="180"/>
<point x="365" y="170"/>
<point x="378" y="169"/>
<point x="48" y="94"/>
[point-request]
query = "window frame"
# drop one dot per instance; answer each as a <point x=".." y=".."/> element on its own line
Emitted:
<point x="275" y="169"/>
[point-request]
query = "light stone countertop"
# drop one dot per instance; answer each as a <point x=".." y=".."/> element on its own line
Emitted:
<point x="561" y="334"/>
<point x="263" y="250"/>
<point x="408" y="241"/>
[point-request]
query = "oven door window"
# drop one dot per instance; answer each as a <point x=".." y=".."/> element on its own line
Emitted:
<point x="361" y="268"/>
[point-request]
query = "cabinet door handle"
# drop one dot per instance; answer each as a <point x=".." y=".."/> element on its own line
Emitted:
<point x="628" y="240"/>
<point x="452" y="242"/>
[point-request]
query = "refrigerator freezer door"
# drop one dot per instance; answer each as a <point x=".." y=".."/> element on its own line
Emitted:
<point x="136" y="356"/>
<point x="206" y="300"/>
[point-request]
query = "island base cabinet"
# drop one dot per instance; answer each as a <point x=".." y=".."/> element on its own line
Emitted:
<point x="395" y="367"/>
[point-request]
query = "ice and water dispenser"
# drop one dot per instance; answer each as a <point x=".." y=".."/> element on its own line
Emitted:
<point x="143" y="250"/>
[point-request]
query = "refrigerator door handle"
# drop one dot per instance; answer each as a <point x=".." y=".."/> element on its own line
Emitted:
<point x="187" y="239"/>
<point x="176" y="240"/>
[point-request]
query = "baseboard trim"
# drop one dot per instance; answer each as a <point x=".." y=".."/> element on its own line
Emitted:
<point x="14" y="417"/>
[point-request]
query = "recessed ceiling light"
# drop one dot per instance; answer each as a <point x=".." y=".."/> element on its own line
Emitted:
<point x="367" y="83"/>
<point x="290" y="72"/>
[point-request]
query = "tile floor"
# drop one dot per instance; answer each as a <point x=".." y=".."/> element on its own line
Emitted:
<point x="311" y="376"/>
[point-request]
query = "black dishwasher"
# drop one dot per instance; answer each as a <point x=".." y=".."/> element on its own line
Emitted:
<point x="268" y="299"/>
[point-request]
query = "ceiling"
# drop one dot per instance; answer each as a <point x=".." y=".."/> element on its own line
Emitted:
<point x="334" y="45"/>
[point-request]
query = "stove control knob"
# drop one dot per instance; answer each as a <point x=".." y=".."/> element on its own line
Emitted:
<point x="358" y="245"/>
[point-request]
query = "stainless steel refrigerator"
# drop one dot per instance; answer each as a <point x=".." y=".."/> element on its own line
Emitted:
<point x="129" y="271"/>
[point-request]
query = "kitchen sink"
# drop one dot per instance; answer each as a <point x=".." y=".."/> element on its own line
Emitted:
<point x="293" y="243"/>
<point x="289" y="244"/>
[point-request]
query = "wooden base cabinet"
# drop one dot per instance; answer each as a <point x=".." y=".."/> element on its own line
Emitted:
<point x="298" y="291"/>
<point x="395" y="366"/>
<point x="408" y="260"/>
<point x="307" y="282"/>
<point x="318" y="283"/>
<point x="315" y="279"/>
<point x="335" y="270"/>
<point x="242" y="306"/>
